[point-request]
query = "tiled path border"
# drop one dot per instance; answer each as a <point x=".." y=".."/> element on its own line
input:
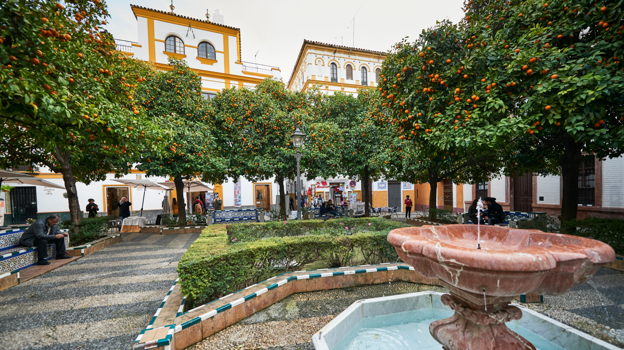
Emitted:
<point x="172" y="230"/>
<point x="617" y="264"/>
<point x="179" y="331"/>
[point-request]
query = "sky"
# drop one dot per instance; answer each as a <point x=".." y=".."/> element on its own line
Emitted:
<point x="275" y="29"/>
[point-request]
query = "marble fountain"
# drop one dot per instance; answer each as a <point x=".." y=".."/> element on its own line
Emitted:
<point x="484" y="269"/>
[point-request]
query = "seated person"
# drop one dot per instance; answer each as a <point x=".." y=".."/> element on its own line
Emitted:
<point x="495" y="212"/>
<point x="473" y="212"/>
<point x="43" y="232"/>
<point x="331" y="208"/>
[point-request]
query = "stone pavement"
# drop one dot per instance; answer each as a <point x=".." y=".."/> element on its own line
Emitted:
<point x="101" y="301"/>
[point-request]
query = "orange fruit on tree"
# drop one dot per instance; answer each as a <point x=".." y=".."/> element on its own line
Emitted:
<point x="547" y="108"/>
<point x="554" y="76"/>
<point x="517" y="50"/>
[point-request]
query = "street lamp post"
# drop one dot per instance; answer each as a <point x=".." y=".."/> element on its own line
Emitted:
<point x="297" y="139"/>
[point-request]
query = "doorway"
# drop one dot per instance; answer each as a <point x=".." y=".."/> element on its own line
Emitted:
<point x="23" y="204"/>
<point x="263" y="197"/>
<point x="448" y="194"/>
<point x="394" y="195"/>
<point x="113" y="196"/>
<point x="523" y="193"/>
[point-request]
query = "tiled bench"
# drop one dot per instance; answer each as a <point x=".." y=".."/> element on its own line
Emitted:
<point x="15" y="257"/>
<point x="244" y="215"/>
<point x="511" y="218"/>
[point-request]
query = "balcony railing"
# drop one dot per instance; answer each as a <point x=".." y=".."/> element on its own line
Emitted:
<point x="258" y="68"/>
<point x="124" y="45"/>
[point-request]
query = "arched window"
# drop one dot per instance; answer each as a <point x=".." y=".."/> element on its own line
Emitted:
<point x="174" y="44"/>
<point x="334" y="72"/>
<point x="364" y="76"/>
<point x="349" y="72"/>
<point x="377" y="74"/>
<point x="319" y="65"/>
<point x="205" y="50"/>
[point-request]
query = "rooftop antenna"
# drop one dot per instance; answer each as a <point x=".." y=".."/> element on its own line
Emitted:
<point x="190" y="29"/>
<point x="172" y="7"/>
<point x="256" y="55"/>
<point x="341" y="40"/>
<point x="353" y="23"/>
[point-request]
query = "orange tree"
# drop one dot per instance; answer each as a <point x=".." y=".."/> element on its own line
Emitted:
<point x="66" y="95"/>
<point x="257" y="126"/>
<point x="173" y="100"/>
<point x="450" y="120"/>
<point x="563" y="69"/>
<point x="350" y="140"/>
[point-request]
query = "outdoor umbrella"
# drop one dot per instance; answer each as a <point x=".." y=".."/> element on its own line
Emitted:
<point x="189" y="186"/>
<point x="12" y="177"/>
<point x="145" y="184"/>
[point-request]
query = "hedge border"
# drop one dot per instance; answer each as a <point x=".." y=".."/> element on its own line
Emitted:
<point x="212" y="267"/>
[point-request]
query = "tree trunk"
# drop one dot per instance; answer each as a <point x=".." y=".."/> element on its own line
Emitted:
<point x="179" y="185"/>
<point x="570" y="162"/>
<point x="433" y="194"/>
<point x="70" y="186"/>
<point x="282" y="196"/>
<point x="366" y="191"/>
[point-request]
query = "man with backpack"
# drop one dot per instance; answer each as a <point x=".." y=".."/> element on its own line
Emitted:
<point x="408" y="207"/>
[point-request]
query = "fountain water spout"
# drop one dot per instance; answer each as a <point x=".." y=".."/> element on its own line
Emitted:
<point x="479" y="210"/>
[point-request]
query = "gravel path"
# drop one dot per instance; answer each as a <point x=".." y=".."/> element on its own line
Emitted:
<point x="101" y="301"/>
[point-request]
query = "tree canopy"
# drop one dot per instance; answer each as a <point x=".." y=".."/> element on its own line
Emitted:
<point x="66" y="95"/>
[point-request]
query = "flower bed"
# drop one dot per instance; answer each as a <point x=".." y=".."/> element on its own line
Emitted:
<point x="215" y="265"/>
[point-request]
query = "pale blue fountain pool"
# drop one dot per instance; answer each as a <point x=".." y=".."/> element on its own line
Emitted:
<point x="410" y="330"/>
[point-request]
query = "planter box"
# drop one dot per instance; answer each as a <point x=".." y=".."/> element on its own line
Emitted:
<point x="94" y="246"/>
<point x="151" y="229"/>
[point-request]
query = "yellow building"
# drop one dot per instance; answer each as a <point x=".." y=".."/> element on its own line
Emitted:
<point x="210" y="49"/>
<point x="335" y="68"/>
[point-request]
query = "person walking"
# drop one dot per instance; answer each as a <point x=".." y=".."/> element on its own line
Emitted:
<point x="174" y="206"/>
<point x="92" y="208"/>
<point x="43" y="232"/>
<point x="408" y="207"/>
<point x="124" y="210"/>
<point x="292" y="204"/>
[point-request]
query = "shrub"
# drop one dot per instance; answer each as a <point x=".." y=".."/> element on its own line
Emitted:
<point x="345" y="226"/>
<point x="609" y="231"/>
<point x="213" y="266"/>
<point x="440" y="216"/>
<point x="90" y="229"/>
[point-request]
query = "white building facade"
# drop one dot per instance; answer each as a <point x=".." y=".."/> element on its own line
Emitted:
<point x="335" y="68"/>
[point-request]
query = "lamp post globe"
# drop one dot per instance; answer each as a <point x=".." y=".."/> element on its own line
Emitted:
<point x="297" y="139"/>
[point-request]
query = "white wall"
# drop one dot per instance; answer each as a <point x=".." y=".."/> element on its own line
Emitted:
<point x="467" y="192"/>
<point x="613" y="183"/>
<point x="497" y="189"/>
<point x="549" y="187"/>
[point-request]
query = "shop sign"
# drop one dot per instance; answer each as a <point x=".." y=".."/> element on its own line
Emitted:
<point x="382" y="185"/>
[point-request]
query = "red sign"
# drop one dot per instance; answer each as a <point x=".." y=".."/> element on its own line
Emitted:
<point x="322" y="184"/>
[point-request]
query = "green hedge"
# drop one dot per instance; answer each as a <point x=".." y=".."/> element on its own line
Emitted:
<point x="609" y="231"/>
<point x="342" y="226"/>
<point x="90" y="230"/>
<point x="212" y="267"/>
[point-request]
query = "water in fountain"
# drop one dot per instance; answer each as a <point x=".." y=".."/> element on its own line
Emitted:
<point x="479" y="210"/>
<point x="410" y="330"/>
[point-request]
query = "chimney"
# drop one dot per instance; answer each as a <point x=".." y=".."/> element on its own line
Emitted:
<point x="217" y="17"/>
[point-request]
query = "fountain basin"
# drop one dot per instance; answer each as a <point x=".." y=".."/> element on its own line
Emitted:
<point x="401" y="322"/>
<point x="485" y="268"/>
<point x="510" y="261"/>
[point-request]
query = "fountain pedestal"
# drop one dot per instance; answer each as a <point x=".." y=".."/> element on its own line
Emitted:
<point x="471" y="327"/>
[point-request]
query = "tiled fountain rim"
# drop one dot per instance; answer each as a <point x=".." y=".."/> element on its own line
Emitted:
<point x="206" y="313"/>
<point x="320" y="343"/>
